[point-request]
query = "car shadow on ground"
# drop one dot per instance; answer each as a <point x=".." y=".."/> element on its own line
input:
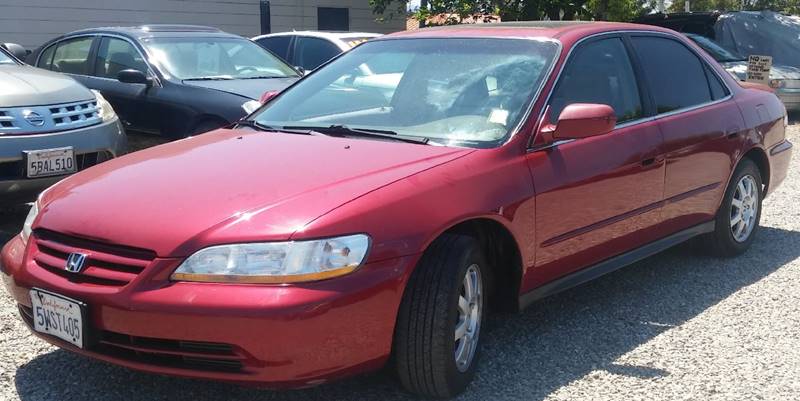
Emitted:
<point x="525" y="356"/>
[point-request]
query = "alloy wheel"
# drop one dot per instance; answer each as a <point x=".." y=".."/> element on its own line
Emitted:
<point x="468" y="326"/>
<point x="744" y="208"/>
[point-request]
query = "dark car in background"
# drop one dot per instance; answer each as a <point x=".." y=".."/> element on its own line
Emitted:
<point x="170" y="80"/>
<point x="763" y="33"/>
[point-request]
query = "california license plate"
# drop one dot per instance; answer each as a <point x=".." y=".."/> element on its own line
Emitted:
<point x="58" y="316"/>
<point x="49" y="162"/>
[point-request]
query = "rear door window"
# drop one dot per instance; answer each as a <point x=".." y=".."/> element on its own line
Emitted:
<point x="599" y="72"/>
<point x="675" y="75"/>
<point x="115" y="55"/>
<point x="277" y="44"/>
<point x="310" y="53"/>
<point x="72" y="56"/>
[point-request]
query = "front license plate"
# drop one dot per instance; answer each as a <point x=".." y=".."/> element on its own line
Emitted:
<point x="49" y="162"/>
<point x="58" y="316"/>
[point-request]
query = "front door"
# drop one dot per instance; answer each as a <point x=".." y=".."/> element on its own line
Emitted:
<point x="596" y="197"/>
<point x="130" y="101"/>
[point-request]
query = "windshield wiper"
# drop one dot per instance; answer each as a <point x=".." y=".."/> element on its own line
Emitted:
<point x="212" y="78"/>
<point x="265" y="77"/>
<point x="268" y="128"/>
<point x="343" y="130"/>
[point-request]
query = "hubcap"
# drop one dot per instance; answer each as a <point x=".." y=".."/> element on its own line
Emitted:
<point x="744" y="208"/>
<point x="468" y="326"/>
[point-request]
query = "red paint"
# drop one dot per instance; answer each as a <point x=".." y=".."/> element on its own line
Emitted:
<point x="567" y="207"/>
<point x="580" y="120"/>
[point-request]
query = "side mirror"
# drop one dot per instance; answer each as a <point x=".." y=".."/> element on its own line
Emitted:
<point x="267" y="96"/>
<point x="583" y="120"/>
<point x="16" y="50"/>
<point x="301" y="70"/>
<point x="132" y="76"/>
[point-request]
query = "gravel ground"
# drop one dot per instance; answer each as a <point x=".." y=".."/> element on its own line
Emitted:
<point x="676" y="326"/>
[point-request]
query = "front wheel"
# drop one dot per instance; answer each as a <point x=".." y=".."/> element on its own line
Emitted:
<point x="739" y="215"/>
<point x="439" y="322"/>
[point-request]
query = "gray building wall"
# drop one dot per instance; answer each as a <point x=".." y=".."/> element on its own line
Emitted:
<point x="33" y="22"/>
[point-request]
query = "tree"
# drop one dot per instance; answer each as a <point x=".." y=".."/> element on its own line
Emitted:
<point x="523" y="10"/>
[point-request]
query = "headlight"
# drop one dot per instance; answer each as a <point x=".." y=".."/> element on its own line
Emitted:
<point x="275" y="262"/>
<point x="776" y="83"/>
<point x="251" y="106"/>
<point x="26" y="228"/>
<point x="104" y="108"/>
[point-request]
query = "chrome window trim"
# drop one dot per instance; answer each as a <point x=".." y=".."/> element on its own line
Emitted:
<point x="150" y="70"/>
<point x="638" y="121"/>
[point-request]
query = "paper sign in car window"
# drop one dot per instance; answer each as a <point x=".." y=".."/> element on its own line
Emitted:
<point x="758" y="69"/>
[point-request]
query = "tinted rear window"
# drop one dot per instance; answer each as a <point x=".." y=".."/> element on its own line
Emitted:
<point x="674" y="74"/>
<point x="277" y="44"/>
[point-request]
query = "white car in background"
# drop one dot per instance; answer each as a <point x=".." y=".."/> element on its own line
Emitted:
<point x="307" y="50"/>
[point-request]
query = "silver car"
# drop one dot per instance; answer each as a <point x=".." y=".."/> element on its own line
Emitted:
<point x="784" y="79"/>
<point x="50" y="126"/>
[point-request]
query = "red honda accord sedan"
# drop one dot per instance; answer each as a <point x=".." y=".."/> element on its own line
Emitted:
<point x="386" y="202"/>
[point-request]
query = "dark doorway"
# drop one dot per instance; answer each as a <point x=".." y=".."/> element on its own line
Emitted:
<point x="333" y="19"/>
<point x="266" y="23"/>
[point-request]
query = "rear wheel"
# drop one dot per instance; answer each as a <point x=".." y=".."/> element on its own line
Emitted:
<point x="739" y="215"/>
<point x="439" y="322"/>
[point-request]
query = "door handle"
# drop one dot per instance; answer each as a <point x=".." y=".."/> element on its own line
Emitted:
<point x="652" y="162"/>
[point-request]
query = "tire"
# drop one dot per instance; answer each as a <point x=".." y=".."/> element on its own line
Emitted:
<point x="732" y="237"/>
<point x="425" y="344"/>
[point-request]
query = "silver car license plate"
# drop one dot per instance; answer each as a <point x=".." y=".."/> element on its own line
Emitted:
<point x="50" y="162"/>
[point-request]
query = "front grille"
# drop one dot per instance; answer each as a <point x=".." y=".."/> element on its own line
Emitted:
<point x="49" y="118"/>
<point x="191" y="355"/>
<point x="106" y="265"/>
<point x="15" y="170"/>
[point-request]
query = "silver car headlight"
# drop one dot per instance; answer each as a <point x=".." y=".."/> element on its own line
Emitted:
<point x="104" y="108"/>
<point x="251" y="106"/>
<point x="26" y="228"/>
<point x="276" y="262"/>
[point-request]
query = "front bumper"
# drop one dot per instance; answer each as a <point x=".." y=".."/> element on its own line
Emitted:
<point x="269" y="335"/>
<point x="91" y="144"/>
<point x="790" y="98"/>
<point x="779" y="158"/>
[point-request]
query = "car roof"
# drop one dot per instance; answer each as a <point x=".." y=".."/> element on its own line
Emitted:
<point x="565" y="31"/>
<point x="323" y="34"/>
<point x="155" y="30"/>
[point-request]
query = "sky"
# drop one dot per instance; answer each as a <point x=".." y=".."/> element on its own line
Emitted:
<point x="413" y="4"/>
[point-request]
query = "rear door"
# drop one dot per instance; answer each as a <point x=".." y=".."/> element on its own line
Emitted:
<point x="597" y="197"/>
<point x="701" y="125"/>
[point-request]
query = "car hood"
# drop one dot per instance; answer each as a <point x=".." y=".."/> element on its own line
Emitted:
<point x="22" y="85"/>
<point x="249" y="88"/>
<point x="227" y="186"/>
<point x="739" y="70"/>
